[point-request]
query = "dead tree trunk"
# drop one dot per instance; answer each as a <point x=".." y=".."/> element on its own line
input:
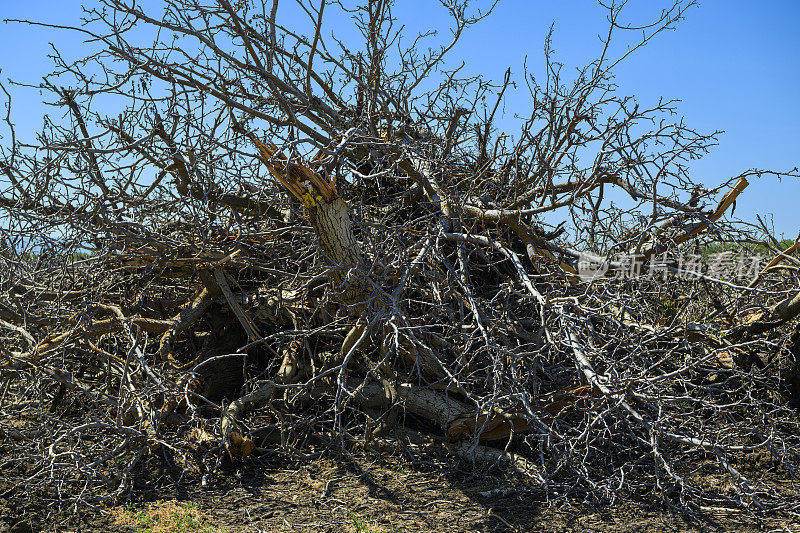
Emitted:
<point x="330" y="217"/>
<point x="334" y="229"/>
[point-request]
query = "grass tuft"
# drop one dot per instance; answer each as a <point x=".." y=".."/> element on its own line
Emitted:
<point x="166" y="517"/>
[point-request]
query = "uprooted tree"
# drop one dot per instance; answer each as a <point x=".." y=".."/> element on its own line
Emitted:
<point x="239" y="237"/>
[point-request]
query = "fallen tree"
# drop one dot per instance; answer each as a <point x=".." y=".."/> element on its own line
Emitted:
<point x="243" y="239"/>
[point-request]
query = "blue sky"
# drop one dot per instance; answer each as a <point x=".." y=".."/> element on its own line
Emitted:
<point x="734" y="64"/>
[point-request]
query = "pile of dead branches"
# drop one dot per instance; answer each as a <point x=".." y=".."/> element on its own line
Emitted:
<point x="241" y="239"/>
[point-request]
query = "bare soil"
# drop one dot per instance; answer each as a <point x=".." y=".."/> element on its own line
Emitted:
<point x="367" y="494"/>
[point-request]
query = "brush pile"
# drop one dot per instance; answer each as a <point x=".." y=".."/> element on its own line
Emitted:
<point x="237" y="240"/>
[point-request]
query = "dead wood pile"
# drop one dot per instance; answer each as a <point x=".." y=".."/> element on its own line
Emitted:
<point x="270" y="246"/>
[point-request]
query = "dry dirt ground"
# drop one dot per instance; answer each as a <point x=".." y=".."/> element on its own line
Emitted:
<point x="361" y="494"/>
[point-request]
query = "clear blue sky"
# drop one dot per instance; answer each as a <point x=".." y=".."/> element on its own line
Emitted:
<point x="735" y="65"/>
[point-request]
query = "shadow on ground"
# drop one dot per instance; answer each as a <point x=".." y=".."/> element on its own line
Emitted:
<point x="366" y="494"/>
